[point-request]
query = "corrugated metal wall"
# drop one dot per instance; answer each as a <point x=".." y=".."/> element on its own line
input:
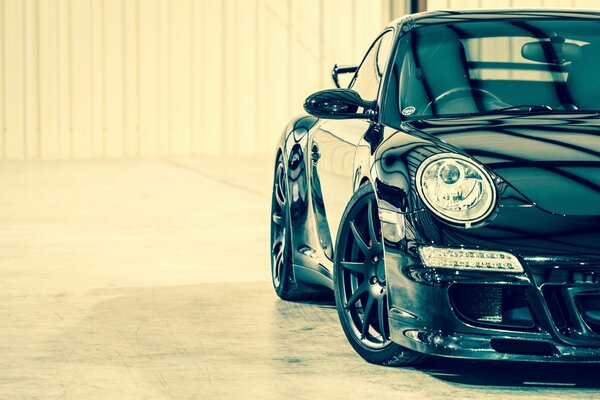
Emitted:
<point x="470" y="4"/>
<point x="135" y="78"/>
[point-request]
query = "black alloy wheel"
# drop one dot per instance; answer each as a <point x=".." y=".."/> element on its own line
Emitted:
<point x="360" y="284"/>
<point x="282" y="270"/>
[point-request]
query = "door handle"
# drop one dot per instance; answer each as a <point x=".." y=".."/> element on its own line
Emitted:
<point x="315" y="154"/>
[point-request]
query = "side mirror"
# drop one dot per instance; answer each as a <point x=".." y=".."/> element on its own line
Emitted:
<point x="338" y="104"/>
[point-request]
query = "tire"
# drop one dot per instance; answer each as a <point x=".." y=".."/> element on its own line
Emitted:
<point x="359" y="284"/>
<point x="282" y="269"/>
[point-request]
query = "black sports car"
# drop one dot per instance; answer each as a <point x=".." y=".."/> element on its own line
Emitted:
<point x="450" y="196"/>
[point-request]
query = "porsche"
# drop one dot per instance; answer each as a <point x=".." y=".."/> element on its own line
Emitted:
<point x="449" y="195"/>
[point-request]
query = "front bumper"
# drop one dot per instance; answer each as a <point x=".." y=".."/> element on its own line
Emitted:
<point x="489" y="346"/>
<point x="425" y="317"/>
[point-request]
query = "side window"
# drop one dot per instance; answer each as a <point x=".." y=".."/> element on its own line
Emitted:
<point x="369" y="75"/>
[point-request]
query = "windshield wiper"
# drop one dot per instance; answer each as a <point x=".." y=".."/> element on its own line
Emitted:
<point x="523" y="107"/>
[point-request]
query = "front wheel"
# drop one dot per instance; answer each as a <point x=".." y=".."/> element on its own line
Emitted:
<point x="360" y="284"/>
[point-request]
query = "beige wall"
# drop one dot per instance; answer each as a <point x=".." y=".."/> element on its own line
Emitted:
<point x="470" y="4"/>
<point x="145" y="78"/>
<point x="135" y="78"/>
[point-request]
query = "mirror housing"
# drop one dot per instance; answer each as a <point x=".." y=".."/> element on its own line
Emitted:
<point x="338" y="104"/>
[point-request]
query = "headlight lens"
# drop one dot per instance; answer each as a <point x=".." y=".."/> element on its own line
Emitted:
<point x="455" y="188"/>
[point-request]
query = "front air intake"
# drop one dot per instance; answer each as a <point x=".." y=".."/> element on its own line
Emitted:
<point x="588" y="306"/>
<point x="503" y="306"/>
<point x="524" y="347"/>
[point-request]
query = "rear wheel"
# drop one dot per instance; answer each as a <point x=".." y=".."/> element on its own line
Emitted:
<point x="282" y="271"/>
<point x="360" y="284"/>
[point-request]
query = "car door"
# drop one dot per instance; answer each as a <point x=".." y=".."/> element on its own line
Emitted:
<point x="334" y="143"/>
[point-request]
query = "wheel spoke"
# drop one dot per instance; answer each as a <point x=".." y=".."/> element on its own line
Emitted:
<point x="278" y="254"/>
<point x="281" y="183"/>
<point x="278" y="247"/>
<point x="366" y="315"/>
<point x="278" y="242"/>
<point x="281" y="176"/>
<point x="278" y="263"/>
<point x="359" y="240"/>
<point x="280" y="197"/>
<point x="381" y="304"/>
<point x="360" y="290"/>
<point x="372" y="233"/>
<point x="278" y="219"/>
<point x="357" y="267"/>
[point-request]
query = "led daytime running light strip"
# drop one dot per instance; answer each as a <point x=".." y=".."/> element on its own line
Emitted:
<point x="464" y="259"/>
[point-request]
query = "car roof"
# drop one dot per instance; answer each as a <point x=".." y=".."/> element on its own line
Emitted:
<point x="452" y="16"/>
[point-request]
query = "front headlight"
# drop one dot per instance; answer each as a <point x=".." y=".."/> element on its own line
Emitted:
<point x="455" y="188"/>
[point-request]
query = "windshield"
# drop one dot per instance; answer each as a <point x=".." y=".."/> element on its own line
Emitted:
<point x="503" y="66"/>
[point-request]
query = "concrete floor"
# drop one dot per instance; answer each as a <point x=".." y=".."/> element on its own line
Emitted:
<point x="150" y="280"/>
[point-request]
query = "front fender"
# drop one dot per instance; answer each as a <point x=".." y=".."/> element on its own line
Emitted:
<point x="393" y="167"/>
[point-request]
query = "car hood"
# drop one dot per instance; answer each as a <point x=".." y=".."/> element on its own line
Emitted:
<point x="553" y="160"/>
